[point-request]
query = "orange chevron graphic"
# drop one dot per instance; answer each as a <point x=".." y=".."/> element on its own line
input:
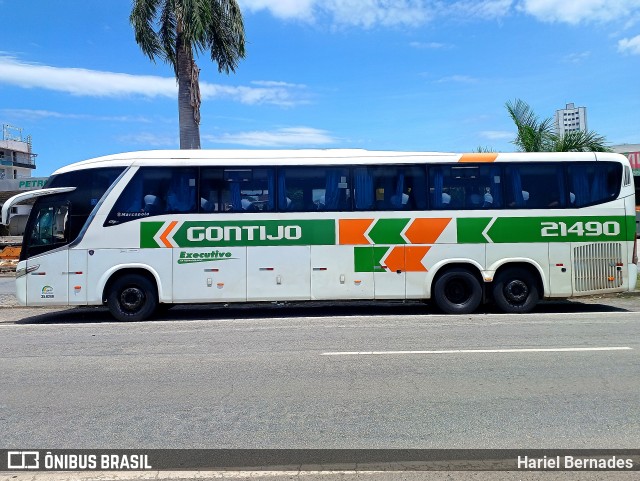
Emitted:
<point x="413" y="258"/>
<point x="426" y="231"/>
<point x="395" y="259"/>
<point x="479" y="157"/>
<point x="351" y="231"/>
<point x="165" y="234"/>
<point x="406" y="258"/>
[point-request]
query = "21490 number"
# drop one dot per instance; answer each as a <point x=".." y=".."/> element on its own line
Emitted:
<point x="591" y="228"/>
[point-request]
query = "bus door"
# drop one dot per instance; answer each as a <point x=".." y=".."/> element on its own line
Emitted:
<point x="278" y="273"/>
<point x="341" y="272"/>
<point x="47" y="275"/>
<point x="389" y="275"/>
<point x="560" y="269"/>
<point x="77" y="276"/>
<point x="210" y="275"/>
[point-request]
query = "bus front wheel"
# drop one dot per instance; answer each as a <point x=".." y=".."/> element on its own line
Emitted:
<point x="515" y="291"/>
<point x="457" y="291"/>
<point x="132" y="298"/>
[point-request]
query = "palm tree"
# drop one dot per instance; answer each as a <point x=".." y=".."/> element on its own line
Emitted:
<point x="173" y="30"/>
<point x="481" y="149"/>
<point x="580" y="141"/>
<point x="535" y="135"/>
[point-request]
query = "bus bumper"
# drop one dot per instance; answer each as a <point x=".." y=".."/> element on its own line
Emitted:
<point x="633" y="276"/>
<point x="21" y="283"/>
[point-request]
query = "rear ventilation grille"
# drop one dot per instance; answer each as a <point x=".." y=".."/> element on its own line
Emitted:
<point x="595" y="266"/>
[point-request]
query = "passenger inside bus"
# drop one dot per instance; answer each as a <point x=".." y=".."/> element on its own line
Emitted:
<point x="520" y="202"/>
<point x="487" y="199"/>
<point x="399" y="201"/>
<point x="152" y="204"/>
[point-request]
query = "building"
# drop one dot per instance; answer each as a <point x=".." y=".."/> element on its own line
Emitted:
<point x="17" y="162"/>
<point x="571" y="119"/>
<point x="632" y="152"/>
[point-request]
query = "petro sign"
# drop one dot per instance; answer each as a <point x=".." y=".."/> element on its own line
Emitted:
<point x="634" y="160"/>
<point x="26" y="183"/>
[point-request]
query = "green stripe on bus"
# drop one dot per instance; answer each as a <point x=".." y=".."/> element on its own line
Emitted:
<point x="148" y="230"/>
<point x="243" y="233"/>
<point x="631" y="227"/>
<point x="544" y="229"/>
<point x="387" y="231"/>
<point x="470" y="230"/>
<point x="369" y="258"/>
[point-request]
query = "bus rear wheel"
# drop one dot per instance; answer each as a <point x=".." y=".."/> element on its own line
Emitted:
<point x="515" y="291"/>
<point x="132" y="298"/>
<point x="457" y="291"/>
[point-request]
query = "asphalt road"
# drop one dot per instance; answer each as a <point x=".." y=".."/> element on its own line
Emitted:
<point x="323" y="376"/>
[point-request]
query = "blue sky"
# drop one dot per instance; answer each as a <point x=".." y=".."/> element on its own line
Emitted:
<point x="429" y="75"/>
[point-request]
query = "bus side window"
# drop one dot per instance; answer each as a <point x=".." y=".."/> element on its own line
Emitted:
<point x="594" y="182"/>
<point x="465" y="187"/>
<point x="537" y="185"/>
<point x="211" y="187"/>
<point x="156" y="191"/>
<point x="303" y="189"/>
<point x="248" y="189"/>
<point x="363" y="192"/>
<point x="181" y="195"/>
<point x="400" y="188"/>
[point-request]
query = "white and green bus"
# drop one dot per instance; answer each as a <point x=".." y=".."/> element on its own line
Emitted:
<point x="144" y="231"/>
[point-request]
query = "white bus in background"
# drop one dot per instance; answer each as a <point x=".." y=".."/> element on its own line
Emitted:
<point x="145" y="230"/>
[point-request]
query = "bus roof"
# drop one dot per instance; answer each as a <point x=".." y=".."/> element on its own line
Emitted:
<point x="321" y="157"/>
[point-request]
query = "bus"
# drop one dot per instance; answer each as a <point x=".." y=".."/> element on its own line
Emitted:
<point x="143" y="231"/>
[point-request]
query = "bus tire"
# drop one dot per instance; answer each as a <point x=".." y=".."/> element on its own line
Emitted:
<point x="515" y="290"/>
<point x="132" y="298"/>
<point x="457" y="291"/>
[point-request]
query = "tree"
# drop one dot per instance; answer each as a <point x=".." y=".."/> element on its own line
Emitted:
<point x="535" y="135"/>
<point x="580" y="141"/>
<point x="481" y="149"/>
<point x="173" y="30"/>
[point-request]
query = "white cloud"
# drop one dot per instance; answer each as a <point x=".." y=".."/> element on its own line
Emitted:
<point x="464" y="79"/>
<point x="576" y="58"/>
<point x="367" y="13"/>
<point x="497" y="135"/>
<point x="577" y="11"/>
<point x="279" y="93"/>
<point x="42" y="114"/>
<point x="429" y="45"/>
<point x="273" y="83"/>
<point x="486" y="9"/>
<point x="630" y="45"/>
<point x="95" y="83"/>
<point x="361" y="13"/>
<point x="285" y="137"/>
<point x="371" y="13"/>
<point x="150" y="140"/>
<point x="83" y="82"/>
<point x="287" y="9"/>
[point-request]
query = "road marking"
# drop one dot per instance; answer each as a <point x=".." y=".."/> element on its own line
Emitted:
<point x="476" y="351"/>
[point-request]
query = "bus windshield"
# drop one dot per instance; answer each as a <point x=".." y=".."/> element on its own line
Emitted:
<point x="49" y="226"/>
<point x="56" y="220"/>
